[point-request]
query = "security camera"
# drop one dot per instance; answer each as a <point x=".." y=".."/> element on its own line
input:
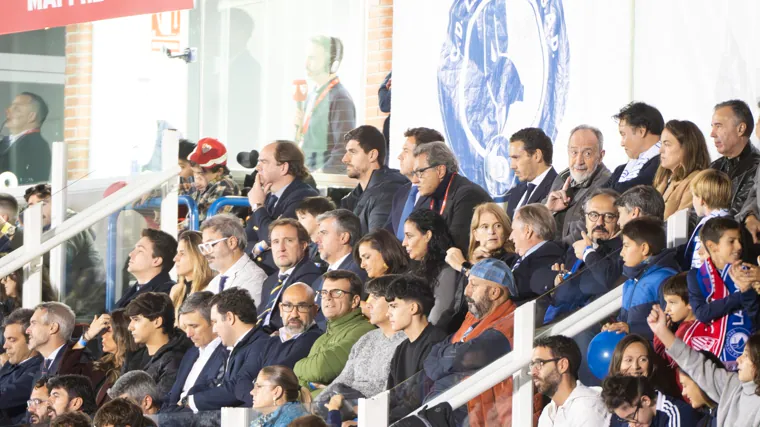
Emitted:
<point x="189" y="54"/>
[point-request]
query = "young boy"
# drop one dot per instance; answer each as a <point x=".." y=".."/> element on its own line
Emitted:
<point x="307" y="212"/>
<point x="675" y="291"/>
<point x="646" y="264"/>
<point x="635" y="402"/>
<point x="711" y="193"/>
<point x="723" y="300"/>
<point x="212" y="178"/>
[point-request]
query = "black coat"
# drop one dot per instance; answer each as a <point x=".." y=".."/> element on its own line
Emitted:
<point x="69" y="361"/>
<point x="235" y="388"/>
<point x="397" y="208"/>
<point x="464" y="196"/>
<point x="534" y="275"/>
<point x="161" y="283"/>
<point x="323" y="146"/>
<point x="211" y="375"/>
<point x="539" y="194"/>
<point x="164" y="364"/>
<point x="348" y="264"/>
<point x="29" y="158"/>
<point x="305" y="271"/>
<point x="645" y="177"/>
<point x="741" y="170"/>
<point x="276" y="352"/>
<point x="373" y="204"/>
<point x="16" y="383"/>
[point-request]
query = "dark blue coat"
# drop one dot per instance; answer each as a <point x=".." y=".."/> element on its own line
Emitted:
<point x="397" y="208"/>
<point x="161" y="283"/>
<point x="16" y="382"/>
<point x="305" y="271"/>
<point x="540" y="193"/>
<point x="235" y="388"/>
<point x="373" y="204"/>
<point x="287" y="353"/>
<point x="347" y="264"/>
<point x="211" y="375"/>
<point x="645" y="177"/>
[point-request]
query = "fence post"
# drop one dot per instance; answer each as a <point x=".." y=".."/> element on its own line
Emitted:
<point x="522" y="384"/>
<point x="374" y="411"/>
<point x="32" y="269"/>
<point x="59" y="188"/>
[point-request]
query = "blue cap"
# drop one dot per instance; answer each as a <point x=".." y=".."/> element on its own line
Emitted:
<point x="495" y="270"/>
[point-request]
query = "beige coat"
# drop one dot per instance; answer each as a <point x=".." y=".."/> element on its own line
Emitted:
<point x="677" y="195"/>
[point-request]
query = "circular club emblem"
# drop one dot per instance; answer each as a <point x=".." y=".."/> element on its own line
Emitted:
<point x="735" y="341"/>
<point x="504" y="66"/>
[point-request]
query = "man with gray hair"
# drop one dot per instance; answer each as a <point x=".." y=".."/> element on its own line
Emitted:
<point x="224" y="241"/>
<point x="442" y="189"/>
<point x="203" y="365"/>
<point x="140" y="387"/>
<point x="585" y="173"/>
<point x="49" y="331"/>
<point x="533" y="230"/>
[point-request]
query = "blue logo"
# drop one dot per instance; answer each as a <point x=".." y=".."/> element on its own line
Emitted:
<point x="736" y="339"/>
<point x="504" y="66"/>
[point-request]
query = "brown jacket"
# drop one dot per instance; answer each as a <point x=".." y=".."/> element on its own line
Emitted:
<point x="677" y="195"/>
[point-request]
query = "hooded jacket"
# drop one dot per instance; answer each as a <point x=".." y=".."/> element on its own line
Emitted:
<point x="164" y="364"/>
<point x="373" y="204"/>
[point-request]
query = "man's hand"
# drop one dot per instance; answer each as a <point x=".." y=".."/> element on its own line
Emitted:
<point x="258" y="193"/>
<point x="753" y="226"/>
<point x="619" y="327"/>
<point x="560" y="269"/>
<point x="455" y="258"/>
<point x="335" y="403"/>
<point x="558" y="200"/>
<point x="580" y="246"/>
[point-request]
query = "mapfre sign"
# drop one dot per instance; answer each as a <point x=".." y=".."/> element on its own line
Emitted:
<point x="26" y="15"/>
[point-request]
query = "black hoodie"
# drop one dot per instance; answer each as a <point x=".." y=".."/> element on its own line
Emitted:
<point x="163" y="365"/>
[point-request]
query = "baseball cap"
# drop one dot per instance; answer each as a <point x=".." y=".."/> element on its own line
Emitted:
<point x="497" y="271"/>
<point x="209" y="153"/>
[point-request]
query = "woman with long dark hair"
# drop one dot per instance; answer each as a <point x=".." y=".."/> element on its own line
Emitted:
<point x="12" y="290"/>
<point x="380" y="253"/>
<point x="634" y="356"/>
<point x="426" y="240"/>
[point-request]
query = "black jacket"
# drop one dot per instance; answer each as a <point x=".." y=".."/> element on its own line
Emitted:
<point x="69" y="361"/>
<point x="534" y="275"/>
<point x="538" y="195"/>
<point x="16" y="383"/>
<point x="464" y="196"/>
<point x="397" y="207"/>
<point x="29" y="158"/>
<point x="305" y="271"/>
<point x="276" y="352"/>
<point x="161" y="283"/>
<point x="373" y="204"/>
<point x="741" y="170"/>
<point x="164" y="364"/>
<point x="645" y="177"/>
<point x="211" y="375"/>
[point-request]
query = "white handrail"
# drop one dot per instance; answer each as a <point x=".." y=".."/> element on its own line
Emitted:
<point x="85" y="219"/>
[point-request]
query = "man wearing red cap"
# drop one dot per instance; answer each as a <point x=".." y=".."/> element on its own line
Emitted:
<point x="212" y="178"/>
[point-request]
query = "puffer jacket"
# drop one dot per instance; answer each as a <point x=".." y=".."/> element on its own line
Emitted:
<point x="163" y="365"/>
<point x="741" y="170"/>
<point x="373" y="204"/>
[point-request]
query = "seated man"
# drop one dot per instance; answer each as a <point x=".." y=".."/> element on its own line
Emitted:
<point x="151" y="322"/>
<point x="17" y="374"/>
<point x="37" y="406"/>
<point x="308" y="211"/>
<point x="140" y="387"/>
<point x="49" y="331"/>
<point x="341" y="295"/>
<point x="223" y="245"/>
<point x="530" y="155"/>
<point x="204" y="363"/>
<point x="634" y="401"/>
<point x="150" y="262"/>
<point x="554" y="368"/>
<point x="70" y="393"/>
<point x="233" y="316"/>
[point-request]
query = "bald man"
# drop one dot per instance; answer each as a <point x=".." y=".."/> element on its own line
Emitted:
<point x="25" y="152"/>
<point x="293" y="341"/>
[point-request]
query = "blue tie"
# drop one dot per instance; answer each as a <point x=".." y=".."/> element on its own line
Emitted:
<point x="270" y="203"/>
<point x="528" y="193"/>
<point x="408" y="208"/>
<point x="222" y="280"/>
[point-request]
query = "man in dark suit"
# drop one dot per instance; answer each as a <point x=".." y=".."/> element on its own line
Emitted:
<point x="25" y="152"/>
<point x="443" y="190"/>
<point x="279" y="187"/>
<point x="372" y="198"/>
<point x="338" y="232"/>
<point x="406" y="196"/>
<point x="202" y="367"/>
<point x="640" y="127"/>
<point x="530" y="158"/>
<point x="233" y="313"/>
<point x="17" y="374"/>
<point x="289" y="242"/>
<point x="150" y="263"/>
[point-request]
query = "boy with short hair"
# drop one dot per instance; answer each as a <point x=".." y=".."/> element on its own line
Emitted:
<point x="711" y="192"/>
<point x="675" y="291"/>
<point x="646" y="264"/>
<point x="723" y="300"/>
<point x="634" y="401"/>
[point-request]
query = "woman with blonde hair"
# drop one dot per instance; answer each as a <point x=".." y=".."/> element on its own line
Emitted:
<point x="489" y="238"/>
<point x="683" y="155"/>
<point x="193" y="271"/>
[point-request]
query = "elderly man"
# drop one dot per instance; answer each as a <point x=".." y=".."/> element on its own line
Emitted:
<point x="443" y="190"/>
<point x="140" y="387"/>
<point x="25" y="152"/>
<point x="586" y="172"/>
<point x="530" y="158"/>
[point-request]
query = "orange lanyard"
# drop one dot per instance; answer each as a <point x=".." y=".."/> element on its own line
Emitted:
<point x="321" y="97"/>
<point x="445" y="196"/>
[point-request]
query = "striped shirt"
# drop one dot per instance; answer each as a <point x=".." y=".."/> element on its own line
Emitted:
<point x="633" y="167"/>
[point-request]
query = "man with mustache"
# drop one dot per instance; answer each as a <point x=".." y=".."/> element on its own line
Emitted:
<point x="571" y="187"/>
<point x="37" y="406"/>
<point x="70" y="393"/>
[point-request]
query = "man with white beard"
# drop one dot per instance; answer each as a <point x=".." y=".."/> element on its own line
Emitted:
<point x="571" y="188"/>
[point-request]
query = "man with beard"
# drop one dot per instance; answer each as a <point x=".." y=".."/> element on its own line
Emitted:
<point x="571" y="187"/>
<point x="485" y="335"/>
<point x="554" y="369"/>
<point x="372" y="199"/>
<point x="37" y="406"/>
<point x="70" y="393"/>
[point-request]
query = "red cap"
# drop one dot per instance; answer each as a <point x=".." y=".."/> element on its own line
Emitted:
<point x="209" y="153"/>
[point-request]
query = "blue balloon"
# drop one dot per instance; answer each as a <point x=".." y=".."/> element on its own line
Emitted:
<point x="600" y="352"/>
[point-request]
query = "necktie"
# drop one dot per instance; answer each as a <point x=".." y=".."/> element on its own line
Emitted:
<point x="271" y="202"/>
<point x="528" y="193"/>
<point x="46" y="366"/>
<point x="517" y="263"/>
<point x="222" y="280"/>
<point x="273" y="297"/>
<point x="408" y="208"/>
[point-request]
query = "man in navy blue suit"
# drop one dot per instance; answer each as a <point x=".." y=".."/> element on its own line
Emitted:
<point x="530" y="158"/>
<point x="279" y="187"/>
<point x="233" y="314"/>
<point x="202" y="366"/>
<point x="17" y="375"/>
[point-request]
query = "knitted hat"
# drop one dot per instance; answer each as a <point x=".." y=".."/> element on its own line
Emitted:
<point x="209" y="153"/>
<point x="497" y="271"/>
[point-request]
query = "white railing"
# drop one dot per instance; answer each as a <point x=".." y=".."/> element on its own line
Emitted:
<point x="514" y="364"/>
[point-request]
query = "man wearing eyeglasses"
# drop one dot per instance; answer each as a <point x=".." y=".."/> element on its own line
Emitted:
<point x="37" y="405"/>
<point x="341" y="295"/>
<point x="635" y="402"/>
<point x="17" y="374"/>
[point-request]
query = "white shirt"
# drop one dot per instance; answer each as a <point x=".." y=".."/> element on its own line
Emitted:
<point x="633" y="167"/>
<point x="203" y="358"/>
<point x="583" y="408"/>
<point x="54" y="354"/>
<point x="244" y="273"/>
<point x="335" y="266"/>
<point x="536" y="181"/>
